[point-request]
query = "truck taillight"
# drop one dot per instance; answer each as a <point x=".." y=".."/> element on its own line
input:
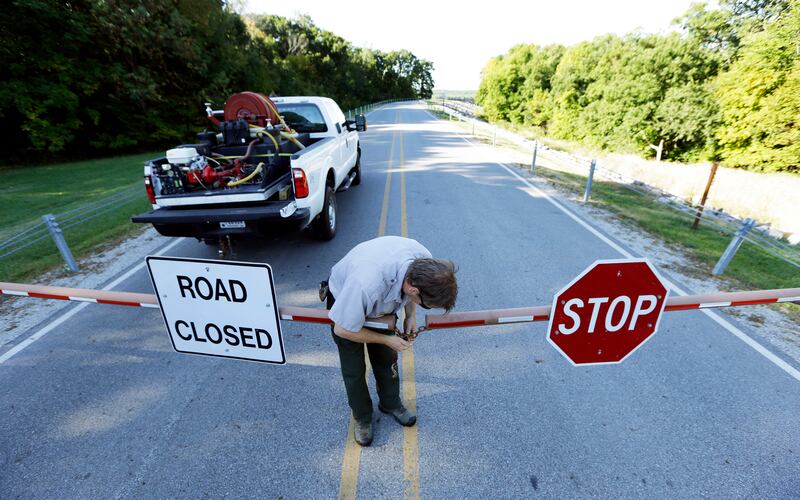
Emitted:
<point x="300" y="183"/>
<point x="148" y="186"/>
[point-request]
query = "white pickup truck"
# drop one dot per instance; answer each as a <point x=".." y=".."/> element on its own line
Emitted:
<point x="273" y="163"/>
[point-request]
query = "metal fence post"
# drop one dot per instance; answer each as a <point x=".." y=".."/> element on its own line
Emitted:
<point x="61" y="243"/>
<point x="589" y="182"/>
<point x="705" y="195"/>
<point x="733" y="246"/>
<point x="535" y="148"/>
<point x="494" y="136"/>
<point x="473" y="127"/>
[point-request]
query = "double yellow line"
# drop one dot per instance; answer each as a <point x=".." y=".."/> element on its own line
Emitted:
<point x="348" y="483"/>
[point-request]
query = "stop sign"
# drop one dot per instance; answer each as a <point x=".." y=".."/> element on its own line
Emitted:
<point x="607" y="312"/>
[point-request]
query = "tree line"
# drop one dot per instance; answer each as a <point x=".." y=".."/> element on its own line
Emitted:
<point x="93" y="77"/>
<point x="725" y="87"/>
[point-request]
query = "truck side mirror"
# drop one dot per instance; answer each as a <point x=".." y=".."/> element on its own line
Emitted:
<point x="361" y="123"/>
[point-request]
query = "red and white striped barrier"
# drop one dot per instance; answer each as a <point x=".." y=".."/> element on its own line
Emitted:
<point x="80" y="295"/>
<point x="432" y="321"/>
<point x="542" y="313"/>
<point x="288" y="313"/>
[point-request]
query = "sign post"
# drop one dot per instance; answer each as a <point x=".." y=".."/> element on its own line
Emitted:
<point x="219" y="308"/>
<point x="607" y="312"/>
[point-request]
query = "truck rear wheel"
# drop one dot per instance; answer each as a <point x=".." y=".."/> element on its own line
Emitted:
<point x="325" y="226"/>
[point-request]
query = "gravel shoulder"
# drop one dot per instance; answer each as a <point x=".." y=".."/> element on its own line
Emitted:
<point x="20" y="314"/>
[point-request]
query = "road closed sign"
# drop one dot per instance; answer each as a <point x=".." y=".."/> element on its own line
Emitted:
<point x="219" y="308"/>
<point x="607" y="312"/>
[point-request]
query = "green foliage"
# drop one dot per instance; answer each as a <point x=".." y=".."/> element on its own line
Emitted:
<point x="615" y="93"/>
<point x="727" y="88"/>
<point x="514" y="87"/>
<point x="760" y="99"/>
<point x="90" y="77"/>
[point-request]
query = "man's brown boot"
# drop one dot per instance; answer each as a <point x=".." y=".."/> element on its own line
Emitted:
<point x="401" y="414"/>
<point x="363" y="432"/>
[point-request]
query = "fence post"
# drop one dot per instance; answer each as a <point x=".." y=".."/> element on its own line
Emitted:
<point x="494" y="136"/>
<point x="705" y="195"/>
<point x="61" y="243"/>
<point x="473" y="127"/>
<point x="535" y="148"/>
<point x="733" y="246"/>
<point x="589" y="182"/>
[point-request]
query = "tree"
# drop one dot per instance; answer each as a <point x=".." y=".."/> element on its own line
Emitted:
<point x="760" y="99"/>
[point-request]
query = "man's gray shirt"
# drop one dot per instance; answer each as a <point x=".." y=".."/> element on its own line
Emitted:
<point x="367" y="282"/>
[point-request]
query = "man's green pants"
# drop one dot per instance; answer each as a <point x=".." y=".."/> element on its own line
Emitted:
<point x="384" y="364"/>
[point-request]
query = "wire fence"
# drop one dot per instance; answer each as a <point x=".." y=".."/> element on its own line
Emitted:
<point x="52" y="225"/>
<point x="741" y="229"/>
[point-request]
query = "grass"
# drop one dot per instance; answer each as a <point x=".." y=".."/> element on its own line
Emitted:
<point x="750" y="269"/>
<point x="27" y="193"/>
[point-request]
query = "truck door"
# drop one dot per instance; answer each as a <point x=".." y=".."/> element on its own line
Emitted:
<point x="347" y="144"/>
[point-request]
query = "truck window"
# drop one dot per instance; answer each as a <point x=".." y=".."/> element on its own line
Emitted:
<point x="303" y="117"/>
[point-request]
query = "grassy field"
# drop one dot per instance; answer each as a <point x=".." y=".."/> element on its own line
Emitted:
<point x="750" y="268"/>
<point x="27" y="193"/>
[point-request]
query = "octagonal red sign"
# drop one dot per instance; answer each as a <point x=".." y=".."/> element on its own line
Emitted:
<point x="607" y="312"/>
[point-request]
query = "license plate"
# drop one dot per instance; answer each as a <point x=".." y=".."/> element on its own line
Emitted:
<point x="236" y="224"/>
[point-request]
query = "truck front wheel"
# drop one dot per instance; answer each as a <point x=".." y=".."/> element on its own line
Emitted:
<point x="325" y="226"/>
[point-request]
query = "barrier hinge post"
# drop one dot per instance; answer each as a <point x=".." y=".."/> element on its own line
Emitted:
<point x="61" y="243"/>
<point x="733" y="246"/>
<point x="588" y="191"/>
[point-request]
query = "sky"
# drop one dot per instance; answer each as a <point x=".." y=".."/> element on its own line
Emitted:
<point x="459" y="38"/>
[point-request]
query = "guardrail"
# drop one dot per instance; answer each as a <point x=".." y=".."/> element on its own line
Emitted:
<point x="360" y="110"/>
<point x="740" y="230"/>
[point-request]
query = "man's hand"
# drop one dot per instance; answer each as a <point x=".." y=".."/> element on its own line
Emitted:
<point x="397" y="343"/>
<point x="410" y="326"/>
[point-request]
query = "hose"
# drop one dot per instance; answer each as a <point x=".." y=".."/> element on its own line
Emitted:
<point x="261" y="134"/>
<point x="289" y="129"/>
<point x="245" y="179"/>
<point x="250" y="149"/>
<point x="274" y="110"/>
<point x="293" y="138"/>
<point x="265" y="155"/>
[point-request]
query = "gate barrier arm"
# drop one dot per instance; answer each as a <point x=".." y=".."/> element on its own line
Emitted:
<point x="542" y="313"/>
<point x="288" y="313"/>
<point x="432" y="321"/>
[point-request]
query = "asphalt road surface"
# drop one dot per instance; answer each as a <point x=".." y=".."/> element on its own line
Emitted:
<point x="102" y="407"/>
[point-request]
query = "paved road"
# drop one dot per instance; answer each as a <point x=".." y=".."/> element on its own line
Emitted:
<point x="101" y="407"/>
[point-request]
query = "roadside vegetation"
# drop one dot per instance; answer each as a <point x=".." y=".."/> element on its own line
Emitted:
<point x="90" y="79"/>
<point x="725" y="88"/>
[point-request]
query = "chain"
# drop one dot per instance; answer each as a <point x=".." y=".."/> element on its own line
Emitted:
<point x="411" y="336"/>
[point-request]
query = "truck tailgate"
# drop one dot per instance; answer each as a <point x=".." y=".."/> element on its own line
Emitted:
<point x="270" y="211"/>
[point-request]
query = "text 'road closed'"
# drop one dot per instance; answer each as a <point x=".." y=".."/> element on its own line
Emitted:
<point x="219" y="308"/>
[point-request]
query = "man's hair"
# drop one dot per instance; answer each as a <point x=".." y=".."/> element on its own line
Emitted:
<point x="436" y="281"/>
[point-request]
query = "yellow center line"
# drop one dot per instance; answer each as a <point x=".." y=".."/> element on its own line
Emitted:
<point x="351" y="462"/>
<point x="387" y="189"/>
<point x="410" y="434"/>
